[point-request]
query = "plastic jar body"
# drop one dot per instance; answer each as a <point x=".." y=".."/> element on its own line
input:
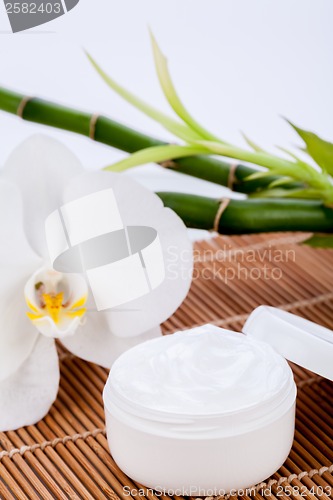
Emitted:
<point x="207" y="454"/>
<point x="200" y="466"/>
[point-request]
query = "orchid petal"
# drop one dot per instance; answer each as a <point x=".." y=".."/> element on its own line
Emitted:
<point x="140" y="207"/>
<point x="94" y="342"/>
<point x="47" y="327"/>
<point x="26" y="396"/>
<point x="40" y="167"/>
<point x="17" y="262"/>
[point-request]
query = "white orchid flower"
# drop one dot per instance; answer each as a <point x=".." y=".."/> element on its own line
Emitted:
<point x="39" y="304"/>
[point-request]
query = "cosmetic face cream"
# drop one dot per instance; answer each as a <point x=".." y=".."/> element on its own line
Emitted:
<point x="206" y="411"/>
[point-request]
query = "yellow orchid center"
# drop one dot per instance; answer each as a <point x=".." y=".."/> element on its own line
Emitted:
<point x="53" y="297"/>
<point x="53" y="305"/>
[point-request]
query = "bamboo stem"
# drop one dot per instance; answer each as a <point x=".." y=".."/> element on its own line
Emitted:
<point x="240" y="216"/>
<point x="251" y="216"/>
<point x="112" y="133"/>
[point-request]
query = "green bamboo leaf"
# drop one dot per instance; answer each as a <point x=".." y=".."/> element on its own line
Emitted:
<point x="319" y="149"/>
<point x="252" y="144"/>
<point x="299" y="171"/>
<point x="271" y="193"/>
<point x="171" y="94"/>
<point x="278" y="192"/>
<point x="277" y="165"/>
<point x="279" y="182"/>
<point x="291" y="154"/>
<point x="257" y="175"/>
<point x="177" y="128"/>
<point x="156" y="154"/>
<point x="320" y="241"/>
<point x="306" y="194"/>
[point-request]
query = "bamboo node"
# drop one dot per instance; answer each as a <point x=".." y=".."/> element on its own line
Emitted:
<point x="232" y="176"/>
<point x="92" y="125"/>
<point x="168" y="164"/>
<point x="22" y="105"/>
<point x="222" y="207"/>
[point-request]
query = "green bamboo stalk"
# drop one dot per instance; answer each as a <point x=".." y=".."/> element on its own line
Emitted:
<point x="251" y="215"/>
<point x="121" y="137"/>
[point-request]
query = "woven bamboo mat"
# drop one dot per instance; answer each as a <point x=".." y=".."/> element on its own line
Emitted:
<point x="66" y="455"/>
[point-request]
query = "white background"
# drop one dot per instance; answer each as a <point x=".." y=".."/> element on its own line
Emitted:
<point x="238" y="65"/>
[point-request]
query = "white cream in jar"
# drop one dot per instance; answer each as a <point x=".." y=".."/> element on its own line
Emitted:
<point x="200" y="412"/>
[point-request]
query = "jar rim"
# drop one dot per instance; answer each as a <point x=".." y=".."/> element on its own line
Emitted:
<point x="248" y="417"/>
<point x="243" y="407"/>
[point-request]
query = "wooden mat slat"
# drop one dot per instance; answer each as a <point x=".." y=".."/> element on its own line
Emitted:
<point x="66" y="454"/>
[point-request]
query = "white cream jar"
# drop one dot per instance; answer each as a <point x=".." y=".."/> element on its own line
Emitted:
<point x="200" y="412"/>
